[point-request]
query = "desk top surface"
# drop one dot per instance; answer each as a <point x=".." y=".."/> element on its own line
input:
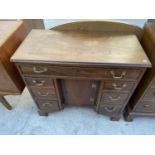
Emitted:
<point x="81" y="47"/>
<point x="7" y="27"/>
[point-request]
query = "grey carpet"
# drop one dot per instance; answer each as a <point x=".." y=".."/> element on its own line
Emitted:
<point x="24" y="119"/>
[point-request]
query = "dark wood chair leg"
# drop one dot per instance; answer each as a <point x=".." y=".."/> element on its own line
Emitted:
<point x="5" y="103"/>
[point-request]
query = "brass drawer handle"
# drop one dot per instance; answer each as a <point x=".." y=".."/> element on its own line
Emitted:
<point x="93" y="86"/>
<point x="43" y="70"/>
<point x="114" y="98"/>
<point x="110" y="109"/>
<point x="146" y="106"/>
<point x="118" y="87"/>
<point x="43" y="94"/>
<point x="38" y="83"/>
<point x="91" y="99"/>
<point x="118" y="77"/>
<point x="46" y="104"/>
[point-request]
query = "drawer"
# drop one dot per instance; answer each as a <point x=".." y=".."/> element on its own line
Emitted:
<point x="63" y="71"/>
<point x="45" y="93"/>
<point x="118" y="86"/>
<point x="39" y="82"/>
<point x="48" y="105"/>
<point x="145" y="106"/>
<point x="110" y="110"/>
<point x="118" y="74"/>
<point x="150" y="93"/>
<point x="114" y="98"/>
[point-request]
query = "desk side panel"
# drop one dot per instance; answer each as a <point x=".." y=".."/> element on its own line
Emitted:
<point x="7" y="50"/>
<point x="7" y="86"/>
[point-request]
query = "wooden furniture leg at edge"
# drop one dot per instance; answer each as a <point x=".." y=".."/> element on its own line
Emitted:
<point x="115" y="118"/>
<point x="42" y="113"/>
<point x="127" y="116"/>
<point x="5" y="103"/>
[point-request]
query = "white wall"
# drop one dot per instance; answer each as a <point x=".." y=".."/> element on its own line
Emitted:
<point x="53" y="22"/>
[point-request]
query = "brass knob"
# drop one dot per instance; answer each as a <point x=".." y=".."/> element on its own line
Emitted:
<point x="37" y="70"/>
<point x="91" y="99"/>
<point x="118" y="77"/>
<point x="38" y="83"/>
<point x="110" y="109"/>
<point x="114" y="98"/>
<point x="118" y="87"/>
<point x="146" y="105"/>
<point x="46" y="104"/>
<point x="43" y="94"/>
<point x="93" y="85"/>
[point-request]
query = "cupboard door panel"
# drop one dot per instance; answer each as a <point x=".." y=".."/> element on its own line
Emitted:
<point x="79" y="92"/>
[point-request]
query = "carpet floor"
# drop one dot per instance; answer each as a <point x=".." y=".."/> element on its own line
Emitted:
<point x="24" y="120"/>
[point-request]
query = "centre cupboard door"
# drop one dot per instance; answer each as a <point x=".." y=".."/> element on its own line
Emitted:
<point x="79" y="92"/>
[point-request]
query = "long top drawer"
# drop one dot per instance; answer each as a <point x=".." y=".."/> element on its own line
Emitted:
<point x="57" y="71"/>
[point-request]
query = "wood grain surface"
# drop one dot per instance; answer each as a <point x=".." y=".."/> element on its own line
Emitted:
<point x="101" y="26"/>
<point x="49" y="46"/>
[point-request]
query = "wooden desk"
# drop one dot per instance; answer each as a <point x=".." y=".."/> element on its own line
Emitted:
<point x="12" y="33"/>
<point x="87" y="68"/>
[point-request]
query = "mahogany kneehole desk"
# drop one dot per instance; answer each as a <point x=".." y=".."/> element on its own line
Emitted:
<point x="82" y="68"/>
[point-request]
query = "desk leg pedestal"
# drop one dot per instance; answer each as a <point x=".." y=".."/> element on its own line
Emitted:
<point x="45" y="112"/>
<point x="112" y="117"/>
<point x="128" y="115"/>
<point x="115" y="118"/>
<point x="42" y="113"/>
<point x="5" y="103"/>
